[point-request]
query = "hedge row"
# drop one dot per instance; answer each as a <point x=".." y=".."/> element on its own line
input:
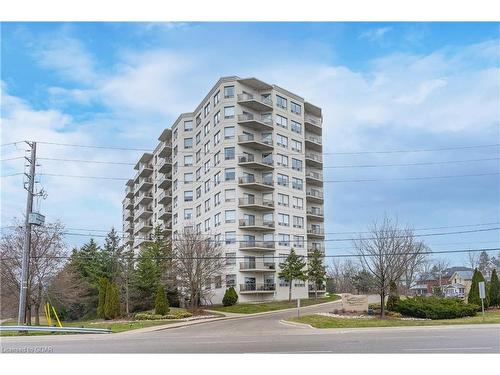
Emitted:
<point x="435" y="308"/>
<point x="175" y="315"/>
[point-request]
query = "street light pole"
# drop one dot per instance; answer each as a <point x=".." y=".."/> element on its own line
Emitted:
<point x="23" y="293"/>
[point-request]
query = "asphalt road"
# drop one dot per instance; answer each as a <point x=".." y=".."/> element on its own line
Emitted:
<point x="266" y="334"/>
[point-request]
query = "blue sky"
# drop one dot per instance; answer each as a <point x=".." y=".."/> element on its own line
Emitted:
<point x="382" y="86"/>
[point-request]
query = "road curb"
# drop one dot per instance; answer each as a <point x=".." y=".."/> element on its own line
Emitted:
<point x="295" y="324"/>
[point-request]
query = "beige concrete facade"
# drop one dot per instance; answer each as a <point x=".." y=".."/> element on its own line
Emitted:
<point x="244" y="168"/>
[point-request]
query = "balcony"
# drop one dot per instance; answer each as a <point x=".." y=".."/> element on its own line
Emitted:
<point x="128" y="203"/>
<point x="257" y="266"/>
<point x="165" y="149"/>
<point x="315" y="232"/>
<point x="313" y="124"/>
<point x="256" y="204"/>
<point x="144" y="183"/>
<point x="129" y="191"/>
<point x="312" y="289"/>
<point x="143" y="198"/>
<point x="257" y="143"/>
<point x="257" y="225"/>
<point x="145" y="169"/>
<point x="255" y="102"/>
<point x="313" y="142"/>
<point x="139" y="241"/>
<point x="164" y="181"/>
<point x="128" y="227"/>
<point x="165" y="212"/>
<point x="164" y="165"/>
<point x="256" y="245"/>
<point x="256" y="288"/>
<point x="315" y="246"/>
<point x="128" y="215"/>
<point x="144" y="212"/>
<point x="315" y="213"/>
<point x="314" y="160"/>
<point x="250" y="161"/>
<point x="165" y="197"/>
<point x="256" y="122"/>
<point x="143" y="226"/>
<point x="251" y="183"/>
<point x="314" y="195"/>
<point x="314" y="178"/>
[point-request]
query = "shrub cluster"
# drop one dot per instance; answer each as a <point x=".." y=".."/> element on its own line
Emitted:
<point x="230" y="297"/>
<point x="174" y="315"/>
<point x="435" y="308"/>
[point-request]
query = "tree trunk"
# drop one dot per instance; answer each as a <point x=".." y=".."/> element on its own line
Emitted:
<point x="37" y="314"/>
<point x="28" y="315"/>
<point x="127" y="311"/>
<point x="290" y="292"/>
<point x="382" y="305"/>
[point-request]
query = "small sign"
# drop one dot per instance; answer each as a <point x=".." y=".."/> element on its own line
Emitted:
<point x="482" y="291"/>
<point x="36" y="218"/>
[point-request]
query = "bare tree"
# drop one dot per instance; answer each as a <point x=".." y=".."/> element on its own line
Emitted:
<point x="438" y="269"/>
<point x="340" y="275"/>
<point x="47" y="247"/>
<point x="472" y="259"/>
<point x="386" y="254"/>
<point x="197" y="261"/>
<point x="416" y="264"/>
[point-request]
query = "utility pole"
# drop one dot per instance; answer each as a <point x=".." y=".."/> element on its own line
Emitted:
<point x="23" y="294"/>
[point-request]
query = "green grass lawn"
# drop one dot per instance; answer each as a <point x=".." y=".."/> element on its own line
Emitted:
<point x="115" y="326"/>
<point x="318" y="321"/>
<point x="252" y="308"/>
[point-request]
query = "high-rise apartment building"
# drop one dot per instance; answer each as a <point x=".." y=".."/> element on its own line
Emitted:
<point x="245" y="167"/>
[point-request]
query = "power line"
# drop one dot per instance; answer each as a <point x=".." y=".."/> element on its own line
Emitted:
<point x="359" y="232"/>
<point x="11" y="143"/>
<point x="14" y="158"/>
<point x="134" y="257"/>
<point x="12" y="174"/>
<point x="89" y="161"/>
<point x="324" y="153"/>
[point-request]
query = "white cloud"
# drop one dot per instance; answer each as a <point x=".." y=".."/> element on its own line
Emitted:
<point x="375" y="34"/>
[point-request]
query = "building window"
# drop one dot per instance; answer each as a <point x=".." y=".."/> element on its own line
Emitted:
<point x="229" y="112"/>
<point x="198" y="156"/>
<point x="298" y="203"/>
<point x="295" y="108"/>
<point x="283" y="200"/>
<point x="218" y="282"/>
<point x="230" y="258"/>
<point x="198" y="192"/>
<point x="281" y="121"/>
<point x="188" y="126"/>
<point x="230" y="281"/>
<point x="282" y="141"/>
<point x="217" y="219"/>
<point x="217" y="199"/>
<point x="198" y="120"/>
<point x="281" y="102"/>
<point x="206" y="147"/>
<point x="206" y="128"/>
<point x="298" y="222"/>
<point x="198" y="174"/>
<point x="230" y="216"/>
<point x="188" y="213"/>
<point x="207" y="225"/>
<point x="230" y="195"/>
<point x="217" y="158"/>
<point x="198" y="210"/>
<point x="228" y="92"/>
<point x="175" y="134"/>
<point x="282" y="179"/>
<point x="296" y="164"/>
<point x="297" y="183"/>
<point x="188" y="178"/>
<point x="230" y="237"/>
<point x="188" y="160"/>
<point x="207" y="205"/>
<point x="229" y="132"/>
<point x="207" y="186"/>
<point x="217" y="178"/>
<point x="188" y="143"/>
<point x="296" y="145"/>
<point x="282" y="160"/>
<point x="216" y="98"/>
<point x="216" y="138"/>
<point x="296" y="127"/>
<point x="188" y="196"/>
<point x="198" y="137"/>
<point x="217" y="118"/>
<point x="229" y="174"/>
<point x="298" y="241"/>
<point x="229" y="153"/>
<point x="207" y="166"/>
<point x="283" y="239"/>
<point x="283" y="220"/>
<point x="206" y="110"/>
